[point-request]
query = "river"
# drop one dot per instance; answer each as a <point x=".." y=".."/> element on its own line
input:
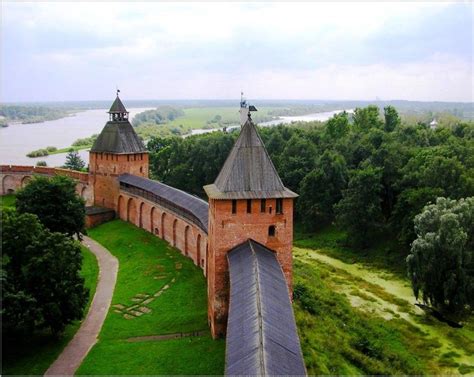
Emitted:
<point x="19" y="139"/>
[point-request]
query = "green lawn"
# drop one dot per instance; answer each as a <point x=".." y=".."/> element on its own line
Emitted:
<point x="34" y="355"/>
<point x="174" y="291"/>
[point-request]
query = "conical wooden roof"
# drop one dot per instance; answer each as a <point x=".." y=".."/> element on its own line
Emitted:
<point x="248" y="171"/>
<point x="117" y="106"/>
<point x="118" y="135"/>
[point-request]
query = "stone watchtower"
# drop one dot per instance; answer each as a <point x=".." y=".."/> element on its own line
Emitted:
<point x="116" y="151"/>
<point x="247" y="201"/>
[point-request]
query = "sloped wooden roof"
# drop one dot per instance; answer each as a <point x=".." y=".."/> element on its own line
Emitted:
<point x="261" y="332"/>
<point x="118" y="107"/>
<point x="118" y="137"/>
<point x="248" y="171"/>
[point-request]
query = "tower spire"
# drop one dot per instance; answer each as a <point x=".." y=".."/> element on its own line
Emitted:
<point x="117" y="111"/>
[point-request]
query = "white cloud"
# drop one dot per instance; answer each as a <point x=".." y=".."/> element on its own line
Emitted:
<point x="212" y="50"/>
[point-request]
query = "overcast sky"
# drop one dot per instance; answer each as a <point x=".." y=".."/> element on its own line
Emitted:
<point x="358" y="51"/>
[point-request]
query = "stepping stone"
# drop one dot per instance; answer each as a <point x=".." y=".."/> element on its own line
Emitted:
<point x="117" y="311"/>
<point x="147" y="301"/>
<point x="173" y="280"/>
<point x="137" y="299"/>
<point x="159" y="277"/>
<point x="119" y="306"/>
<point x="141" y="295"/>
<point x="144" y="309"/>
<point x="157" y="294"/>
<point x="128" y="316"/>
<point x="165" y="287"/>
<point x="136" y="313"/>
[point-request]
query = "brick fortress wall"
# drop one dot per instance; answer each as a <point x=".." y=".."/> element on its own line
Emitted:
<point x="14" y="177"/>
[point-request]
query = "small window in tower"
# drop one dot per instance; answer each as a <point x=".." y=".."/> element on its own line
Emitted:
<point x="128" y="157"/>
<point x="234" y="206"/>
<point x="271" y="231"/>
<point x="249" y="205"/>
<point x="279" y="206"/>
<point x="141" y="169"/>
<point x="263" y="205"/>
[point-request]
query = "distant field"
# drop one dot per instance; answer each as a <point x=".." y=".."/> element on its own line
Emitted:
<point x="199" y="118"/>
<point x="158" y="292"/>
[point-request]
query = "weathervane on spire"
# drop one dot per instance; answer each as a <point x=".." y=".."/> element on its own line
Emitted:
<point x="118" y="91"/>
<point x="245" y="109"/>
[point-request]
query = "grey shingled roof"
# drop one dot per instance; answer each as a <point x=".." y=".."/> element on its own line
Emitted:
<point x="261" y="330"/>
<point x="117" y="106"/>
<point x="118" y="137"/>
<point x="190" y="207"/>
<point x="248" y="171"/>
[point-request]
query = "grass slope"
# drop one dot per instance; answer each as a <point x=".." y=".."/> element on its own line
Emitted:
<point x="359" y="318"/>
<point x="146" y="266"/>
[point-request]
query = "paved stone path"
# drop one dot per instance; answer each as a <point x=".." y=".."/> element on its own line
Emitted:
<point x="78" y="348"/>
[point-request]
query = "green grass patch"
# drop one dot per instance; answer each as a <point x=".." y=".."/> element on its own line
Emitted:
<point x="386" y="255"/>
<point x="146" y="266"/>
<point x="7" y="201"/>
<point x="34" y="355"/>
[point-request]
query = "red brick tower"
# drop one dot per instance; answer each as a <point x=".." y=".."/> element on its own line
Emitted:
<point x="116" y="151"/>
<point x="247" y="201"/>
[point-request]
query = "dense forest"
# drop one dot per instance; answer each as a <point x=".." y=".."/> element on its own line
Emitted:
<point x="370" y="173"/>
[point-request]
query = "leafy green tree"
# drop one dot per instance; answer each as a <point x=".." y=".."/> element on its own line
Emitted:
<point x="41" y="163"/>
<point x="297" y="160"/>
<point x="74" y="161"/>
<point x="359" y="211"/>
<point x="410" y="203"/>
<point x="441" y="262"/>
<point x="367" y="118"/>
<point x="55" y="202"/>
<point x="338" y="126"/>
<point x="41" y="285"/>
<point x="321" y="189"/>
<point x="392" y="120"/>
